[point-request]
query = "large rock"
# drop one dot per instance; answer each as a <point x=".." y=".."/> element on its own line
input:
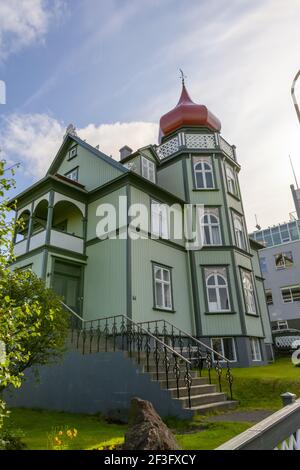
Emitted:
<point x="146" y="429"/>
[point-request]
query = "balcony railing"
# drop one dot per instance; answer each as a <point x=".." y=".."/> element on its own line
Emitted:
<point x="194" y="141"/>
<point x="58" y="239"/>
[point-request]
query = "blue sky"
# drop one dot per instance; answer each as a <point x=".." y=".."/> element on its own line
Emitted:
<point x="111" y="68"/>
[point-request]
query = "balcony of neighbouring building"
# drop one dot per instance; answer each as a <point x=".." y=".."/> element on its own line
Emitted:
<point x="60" y="225"/>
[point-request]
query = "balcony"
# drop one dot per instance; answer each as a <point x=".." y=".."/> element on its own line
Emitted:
<point x="60" y="226"/>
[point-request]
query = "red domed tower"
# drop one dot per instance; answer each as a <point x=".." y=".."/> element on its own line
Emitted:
<point x="187" y="114"/>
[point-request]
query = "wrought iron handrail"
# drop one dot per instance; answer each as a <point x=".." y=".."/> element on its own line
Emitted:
<point x="179" y="336"/>
<point x="120" y="332"/>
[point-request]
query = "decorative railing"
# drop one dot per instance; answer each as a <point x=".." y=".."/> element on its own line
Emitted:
<point x="120" y="333"/>
<point x="194" y="141"/>
<point x="201" y="356"/>
<point x="280" y="431"/>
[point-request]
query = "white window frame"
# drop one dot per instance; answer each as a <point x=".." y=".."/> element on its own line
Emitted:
<point x="282" y="323"/>
<point x="159" y="219"/>
<point x="72" y="153"/>
<point x="204" y="171"/>
<point x="223" y="349"/>
<point x="70" y="173"/>
<point x="217" y="287"/>
<point x="162" y="269"/>
<point x="249" y="291"/>
<point x="210" y="226"/>
<point x="231" y="181"/>
<point x="291" y="294"/>
<point x="283" y="254"/>
<point x="148" y="169"/>
<point x="255" y="350"/>
<point x="239" y="232"/>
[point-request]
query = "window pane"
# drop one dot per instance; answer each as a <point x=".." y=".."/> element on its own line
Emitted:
<point x="224" y="298"/>
<point x="158" y="273"/>
<point x="167" y="290"/>
<point x="229" y="350"/>
<point x="212" y="299"/>
<point x="216" y="235"/>
<point x="166" y="274"/>
<point x="216" y="344"/>
<point x="286" y="295"/>
<point x="209" y="180"/>
<point x="199" y="180"/>
<point x="207" y="239"/>
<point x="159" y="294"/>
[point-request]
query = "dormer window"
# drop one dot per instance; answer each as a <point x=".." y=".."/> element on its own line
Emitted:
<point x="73" y="174"/>
<point x="203" y="172"/>
<point x="148" y="169"/>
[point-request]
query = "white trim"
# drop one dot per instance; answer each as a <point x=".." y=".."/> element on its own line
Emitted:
<point x="255" y="349"/>
<point x="216" y="286"/>
<point x="163" y="282"/>
<point x="204" y="172"/>
<point x="148" y="167"/>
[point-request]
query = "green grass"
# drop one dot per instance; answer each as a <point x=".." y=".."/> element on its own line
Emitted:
<point x="255" y="388"/>
<point x="261" y="387"/>
<point x="36" y="425"/>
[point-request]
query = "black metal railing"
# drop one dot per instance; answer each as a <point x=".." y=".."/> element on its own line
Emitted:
<point x="202" y="357"/>
<point x="120" y="333"/>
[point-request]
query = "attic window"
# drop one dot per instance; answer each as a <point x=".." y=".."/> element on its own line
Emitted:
<point x="72" y="153"/>
<point x="73" y="174"/>
<point x="148" y="169"/>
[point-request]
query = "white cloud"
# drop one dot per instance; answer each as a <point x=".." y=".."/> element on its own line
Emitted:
<point x="23" y="23"/>
<point x="34" y="139"/>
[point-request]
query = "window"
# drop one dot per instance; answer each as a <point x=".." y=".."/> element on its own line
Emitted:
<point x="203" y="174"/>
<point x="72" y="175"/>
<point x="282" y="325"/>
<point x="162" y="287"/>
<point x="231" y="181"/>
<point x="239" y="232"/>
<point x="280" y="234"/>
<point x="290" y="294"/>
<point x="248" y="292"/>
<point x="148" y="169"/>
<point x="159" y="219"/>
<point x="284" y="260"/>
<point x="263" y="265"/>
<point x="217" y="290"/>
<point x="210" y="225"/>
<point x="72" y="153"/>
<point x="269" y="297"/>
<point x="255" y="349"/>
<point x="224" y="346"/>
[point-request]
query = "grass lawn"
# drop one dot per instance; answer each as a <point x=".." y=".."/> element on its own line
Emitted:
<point x="260" y="387"/>
<point x="255" y="388"/>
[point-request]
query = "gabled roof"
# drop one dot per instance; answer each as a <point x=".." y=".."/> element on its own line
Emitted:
<point x="69" y="137"/>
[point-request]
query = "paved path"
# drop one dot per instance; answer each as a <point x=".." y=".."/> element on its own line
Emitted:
<point x="251" y="416"/>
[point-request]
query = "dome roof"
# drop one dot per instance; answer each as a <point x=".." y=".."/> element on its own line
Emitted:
<point x="187" y="113"/>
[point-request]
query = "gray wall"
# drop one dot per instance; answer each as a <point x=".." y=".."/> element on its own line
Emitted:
<point x="275" y="279"/>
<point x="93" y="383"/>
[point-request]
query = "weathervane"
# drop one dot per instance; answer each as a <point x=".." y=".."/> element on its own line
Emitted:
<point x="182" y="76"/>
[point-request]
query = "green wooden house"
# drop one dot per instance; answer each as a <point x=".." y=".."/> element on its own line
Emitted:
<point x="215" y="293"/>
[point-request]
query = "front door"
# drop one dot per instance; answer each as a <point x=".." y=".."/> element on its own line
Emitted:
<point x="66" y="283"/>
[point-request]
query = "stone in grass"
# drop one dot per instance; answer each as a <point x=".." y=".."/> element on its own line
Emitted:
<point x="146" y="429"/>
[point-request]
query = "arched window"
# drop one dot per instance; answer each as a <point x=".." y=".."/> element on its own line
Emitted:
<point x="248" y="292"/>
<point x="231" y="181"/>
<point x="239" y="232"/>
<point x="211" y="229"/>
<point x="217" y="293"/>
<point x="203" y="175"/>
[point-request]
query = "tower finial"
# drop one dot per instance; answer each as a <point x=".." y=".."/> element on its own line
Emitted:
<point x="182" y="76"/>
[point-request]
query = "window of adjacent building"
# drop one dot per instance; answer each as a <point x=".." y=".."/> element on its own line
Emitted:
<point x="282" y="325"/>
<point x="279" y="234"/>
<point x="217" y="290"/>
<point x="148" y="169"/>
<point x="72" y="175"/>
<point x="248" y="292"/>
<point x="255" y="349"/>
<point x="210" y="225"/>
<point x="159" y="219"/>
<point x="163" y="287"/>
<point x="231" y="181"/>
<point x="72" y="153"/>
<point x="263" y="265"/>
<point x="203" y="172"/>
<point x="284" y="260"/>
<point x="290" y="294"/>
<point x="269" y="297"/>
<point x="225" y="347"/>
<point x="239" y="232"/>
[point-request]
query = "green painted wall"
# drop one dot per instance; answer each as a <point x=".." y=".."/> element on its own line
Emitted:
<point x="35" y="260"/>
<point x="105" y="279"/>
<point x="170" y="177"/>
<point x="143" y="253"/>
<point x="93" y="171"/>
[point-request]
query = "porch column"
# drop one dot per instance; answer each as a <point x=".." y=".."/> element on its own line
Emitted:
<point x="49" y="217"/>
<point x="30" y="224"/>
